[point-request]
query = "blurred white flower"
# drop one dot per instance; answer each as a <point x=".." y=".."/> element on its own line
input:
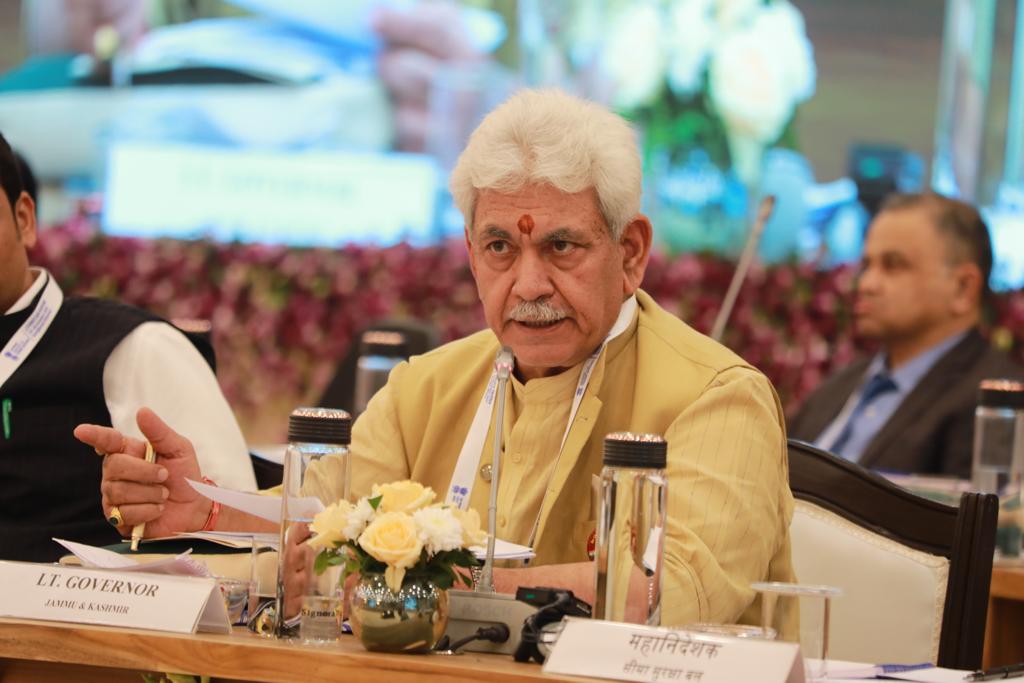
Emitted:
<point x="438" y="529"/>
<point x="691" y="34"/>
<point x="733" y="13"/>
<point x="785" y="23"/>
<point x="634" y="58"/>
<point x="748" y="83"/>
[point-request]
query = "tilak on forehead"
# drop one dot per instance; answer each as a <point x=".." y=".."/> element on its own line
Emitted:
<point x="525" y="224"/>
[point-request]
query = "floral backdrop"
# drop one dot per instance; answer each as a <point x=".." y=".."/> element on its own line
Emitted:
<point x="283" y="317"/>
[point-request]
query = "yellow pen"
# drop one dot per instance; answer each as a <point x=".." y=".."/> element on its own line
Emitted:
<point x="139" y="529"/>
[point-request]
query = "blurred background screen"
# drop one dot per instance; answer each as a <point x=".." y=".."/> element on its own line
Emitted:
<point x="321" y="123"/>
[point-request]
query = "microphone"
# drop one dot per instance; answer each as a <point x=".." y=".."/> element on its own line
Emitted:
<point x="470" y="611"/>
<point x="764" y="212"/>
<point x="503" y="368"/>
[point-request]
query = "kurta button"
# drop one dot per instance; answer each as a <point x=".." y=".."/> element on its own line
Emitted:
<point x="486" y="472"/>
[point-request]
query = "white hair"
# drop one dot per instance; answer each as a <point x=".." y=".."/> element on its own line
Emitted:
<point x="548" y="136"/>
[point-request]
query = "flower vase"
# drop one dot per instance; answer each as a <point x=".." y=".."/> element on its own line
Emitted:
<point x="411" y="620"/>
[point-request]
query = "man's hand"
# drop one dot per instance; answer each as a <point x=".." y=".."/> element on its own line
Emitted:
<point x="418" y="44"/>
<point x="298" y="568"/>
<point x="154" y="493"/>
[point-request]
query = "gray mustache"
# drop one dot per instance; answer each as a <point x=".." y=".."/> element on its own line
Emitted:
<point x="536" y="312"/>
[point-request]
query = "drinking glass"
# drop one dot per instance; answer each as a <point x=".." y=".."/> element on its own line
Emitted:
<point x="814" y="621"/>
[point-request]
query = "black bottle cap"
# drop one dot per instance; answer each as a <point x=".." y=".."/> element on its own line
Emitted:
<point x="1001" y="393"/>
<point x="631" y="449"/>
<point x="320" y="425"/>
<point x="383" y="343"/>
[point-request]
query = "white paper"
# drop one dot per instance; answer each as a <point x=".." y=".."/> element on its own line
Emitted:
<point x="504" y="550"/>
<point x="838" y="670"/>
<point x="264" y="507"/>
<point x="234" y="539"/>
<point x="933" y="675"/>
<point x="101" y="558"/>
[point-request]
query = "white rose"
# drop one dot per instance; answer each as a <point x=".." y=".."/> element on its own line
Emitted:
<point x="748" y="84"/>
<point x="403" y="496"/>
<point x="329" y="525"/>
<point x="392" y="538"/>
<point x="438" y="529"/>
<point x="634" y="57"/>
<point x="691" y="35"/>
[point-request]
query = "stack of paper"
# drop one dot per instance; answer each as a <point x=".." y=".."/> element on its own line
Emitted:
<point x="269" y="508"/>
<point x="503" y="550"/>
<point x="234" y="539"/>
<point x="100" y="558"/>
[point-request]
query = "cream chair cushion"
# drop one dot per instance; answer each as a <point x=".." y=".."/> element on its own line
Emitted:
<point x="893" y="595"/>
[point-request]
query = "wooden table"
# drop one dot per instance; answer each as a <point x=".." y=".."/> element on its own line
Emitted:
<point x="45" y="652"/>
<point x="1004" y="629"/>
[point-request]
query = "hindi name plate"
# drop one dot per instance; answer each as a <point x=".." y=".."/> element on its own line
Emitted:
<point x="95" y="596"/>
<point x="629" y="652"/>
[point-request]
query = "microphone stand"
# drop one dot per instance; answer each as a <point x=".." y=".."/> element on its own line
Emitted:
<point x="482" y="607"/>
<point x="503" y="367"/>
<point x="764" y="212"/>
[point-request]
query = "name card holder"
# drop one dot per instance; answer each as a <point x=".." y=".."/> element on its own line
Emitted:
<point x="179" y="604"/>
<point x="629" y="652"/>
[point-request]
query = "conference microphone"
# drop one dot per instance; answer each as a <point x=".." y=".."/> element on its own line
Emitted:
<point x="764" y="212"/>
<point x="502" y="368"/>
<point x="483" y="608"/>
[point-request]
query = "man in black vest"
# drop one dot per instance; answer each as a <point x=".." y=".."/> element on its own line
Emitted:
<point x="64" y="361"/>
<point x="923" y="282"/>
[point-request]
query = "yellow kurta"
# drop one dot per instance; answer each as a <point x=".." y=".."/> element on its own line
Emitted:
<point x="729" y="501"/>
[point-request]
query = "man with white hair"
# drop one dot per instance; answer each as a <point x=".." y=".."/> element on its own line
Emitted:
<point x="549" y="186"/>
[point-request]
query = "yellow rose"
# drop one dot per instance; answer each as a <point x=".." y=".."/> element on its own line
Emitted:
<point x="329" y="525"/>
<point x="472" y="534"/>
<point x="392" y="538"/>
<point x="403" y="496"/>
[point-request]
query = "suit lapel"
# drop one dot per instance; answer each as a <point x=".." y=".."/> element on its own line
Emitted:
<point x="943" y="374"/>
<point x="831" y="402"/>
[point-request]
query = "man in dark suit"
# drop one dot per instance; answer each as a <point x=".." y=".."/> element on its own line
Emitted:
<point x="920" y="293"/>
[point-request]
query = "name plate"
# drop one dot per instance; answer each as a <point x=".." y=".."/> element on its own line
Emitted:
<point x="158" y="602"/>
<point x="628" y="652"/>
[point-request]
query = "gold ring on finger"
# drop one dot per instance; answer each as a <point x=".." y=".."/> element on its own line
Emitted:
<point x="115" y="517"/>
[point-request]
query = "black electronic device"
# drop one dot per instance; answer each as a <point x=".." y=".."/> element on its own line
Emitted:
<point x="554" y="604"/>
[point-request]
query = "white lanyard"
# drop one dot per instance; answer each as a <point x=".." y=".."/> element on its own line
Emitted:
<point x="472" y="449"/>
<point x="32" y="330"/>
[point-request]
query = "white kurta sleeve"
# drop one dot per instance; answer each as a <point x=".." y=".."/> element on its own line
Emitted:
<point x="157" y="367"/>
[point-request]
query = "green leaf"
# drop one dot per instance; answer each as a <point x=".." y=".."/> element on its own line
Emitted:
<point x="374" y="502"/>
<point x="322" y="561"/>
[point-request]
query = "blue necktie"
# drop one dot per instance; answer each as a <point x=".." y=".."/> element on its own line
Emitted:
<point x="879" y="384"/>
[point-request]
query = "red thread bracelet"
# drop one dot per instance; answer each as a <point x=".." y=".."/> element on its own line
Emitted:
<point x="211" y="521"/>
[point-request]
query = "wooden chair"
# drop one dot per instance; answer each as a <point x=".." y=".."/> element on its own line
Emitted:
<point x="915" y="573"/>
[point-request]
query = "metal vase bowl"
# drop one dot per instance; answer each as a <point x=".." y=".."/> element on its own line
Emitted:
<point x="411" y="620"/>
